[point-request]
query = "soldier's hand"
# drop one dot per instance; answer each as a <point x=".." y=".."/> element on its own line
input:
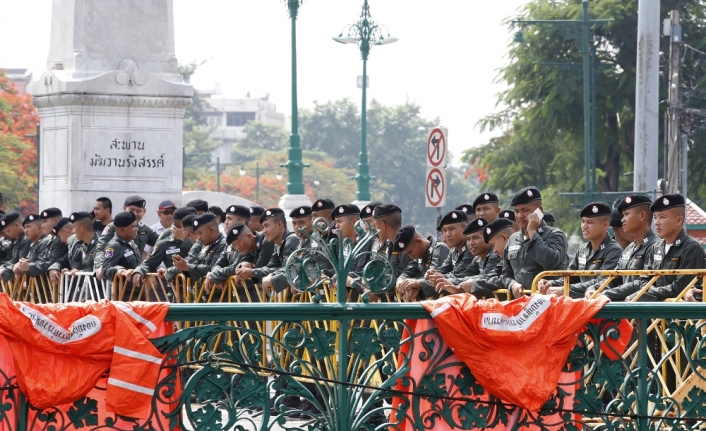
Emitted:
<point x="137" y="279"/>
<point x="429" y="274"/>
<point x="467" y="286"/>
<point x="207" y="284"/>
<point x="99" y="274"/>
<point x="180" y="263"/>
<point x="128" y="273"/>
<point x="411" y="295"/>
<point x="266" y="284"/>
<point x="74" y="272"/>
<point x="589" y="293"/>
<point x="54" y="277"/>
<point x="445" y="286"/>
<point x="543" y="286"/>
<point x="533" y="223"/>
<point x="16" y="269"/>
<point x="690" y="295"/>
<point x="162" y="272"/>
<point x="401" y="286"/>
<point x="244" y="273"/>
<point x="24" y="265"/>
<point x="517" y="290"/>
<point x="372" y="296"/>
<point x="179" y="234"/>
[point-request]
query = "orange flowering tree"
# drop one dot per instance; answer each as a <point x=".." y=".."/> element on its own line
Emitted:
<point x="18" y="152"/>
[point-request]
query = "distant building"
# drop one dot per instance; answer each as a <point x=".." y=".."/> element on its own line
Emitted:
<point x="229" y="116"/>
<point x="20" y="78"/>
<point x="696" y="222"/>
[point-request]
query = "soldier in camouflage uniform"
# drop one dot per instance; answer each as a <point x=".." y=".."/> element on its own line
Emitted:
<point x="496" y="235"/>
<point x="63" y="230"/>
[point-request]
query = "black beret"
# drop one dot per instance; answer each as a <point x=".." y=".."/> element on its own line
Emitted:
<point x="466" y="208"/>
<point x="60" y="224"/>
<point x="31" y="218"/>
<point x="345" y="210"/>
<point x="2" y="212"/>
<point x="666" y="202"/>
<point x="616" y="218"/>
<point x="526" y="195"/>
<point x="198" y="205"/>
<point x="257" y="211"/>
<point x="455" y="216"/>
<point x="383" y="210"/>
<point x="475" y="226"/>
<point x="633" y="201"/>
<point x="494" y="227"/>
<point x="135" y="201"/>
<point x="124" y="219"/>
<point x="485" y="198"/>
<point x="180" y="213"/>
<point x="549" y="217"/>
<point x="239" y="210"/>
<point x="50" y="212"/>
<point x="269" y="213"/>
<point x="508" y="214"/>
<point x="188" y="220"/>
<point x="403" y="237"/>
<point x="300" y="212"/>
<point x="80" y="215"/>
<point x="202" y="220"/>
<point x="323" y="204"/>
<point x="367" y="211"/>
<point x="596" y="209"/>
<point x="9" y="218"/>
<point x="234" y="232"/>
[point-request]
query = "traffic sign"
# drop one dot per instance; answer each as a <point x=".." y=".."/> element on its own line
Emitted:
<point x="435" y="190"/>
<point x="437" y="143"/>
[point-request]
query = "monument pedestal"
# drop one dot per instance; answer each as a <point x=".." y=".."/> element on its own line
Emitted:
<point x="111" y="106"/>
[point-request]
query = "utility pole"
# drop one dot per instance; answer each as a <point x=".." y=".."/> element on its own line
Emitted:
<point x="674" y="142"/>
<point x="647" y="96"/>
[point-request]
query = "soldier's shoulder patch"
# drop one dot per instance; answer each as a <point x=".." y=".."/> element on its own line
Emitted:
<point x="109" y="253"/>
<point x="106" y="231"/>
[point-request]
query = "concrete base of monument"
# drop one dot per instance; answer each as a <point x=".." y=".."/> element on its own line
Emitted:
<point x="288" y="202"/>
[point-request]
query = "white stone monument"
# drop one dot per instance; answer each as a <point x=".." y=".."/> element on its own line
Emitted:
<point x="111" y="105"/>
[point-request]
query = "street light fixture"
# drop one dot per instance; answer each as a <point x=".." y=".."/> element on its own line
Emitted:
<point x="364" y="33"/>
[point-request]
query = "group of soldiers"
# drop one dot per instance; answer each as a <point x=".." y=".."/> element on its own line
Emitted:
<point x="482" y="249"/>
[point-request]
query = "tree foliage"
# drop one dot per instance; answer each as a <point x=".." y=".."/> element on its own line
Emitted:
<point x="18" y="151"/>
<point x="542" y="119"/>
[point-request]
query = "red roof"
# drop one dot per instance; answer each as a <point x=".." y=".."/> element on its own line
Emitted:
<point x="695" y="216"/>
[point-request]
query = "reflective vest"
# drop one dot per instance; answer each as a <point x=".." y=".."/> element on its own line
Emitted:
<point x="517" y="349"/>
<point x="60" y="351"/>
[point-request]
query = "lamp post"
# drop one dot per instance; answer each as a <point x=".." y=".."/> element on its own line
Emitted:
<point x="364" y="33"/>
<point x="586" y="27"/>
<point x="295" y="166"/>
<point x="242" y="172"/>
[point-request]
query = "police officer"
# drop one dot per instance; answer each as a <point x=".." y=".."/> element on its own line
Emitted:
<point x="458" y="262"/>
<point x="5" y="246"/>
<point x="199" y="205"/>
<point x="549" y="219"/>
<point x="616" y="222"/>
<point x="484" y="259"/>
<point x="12" y="228"/>
<point x="57" y="247"/>
<point x="188" y="231"/>
<point x="145" y="235"/>
<point x="635" y="213"/>
<point x="213" y="241"/>
<point x="175" y="243"/>
<point x="510" y="215"/>
<point x="425" y="254"/>
<point x="599" y="252"/>
<point x="323" y="208"/>
<point x="468" y="210"/>
<point x="496" y="235"/>
<point x="121" y="255"/>
<point x="535" y="248"/>
<point x="82" y="252"/>
<point x="37" y="261"/>
<point x="64" y="231"/>
<point x="256" y="211"/>
<point x="486" y="206"/>
<point x="673" y="250"/>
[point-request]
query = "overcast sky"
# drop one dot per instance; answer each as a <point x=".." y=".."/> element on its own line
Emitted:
<point x="446" y="59"/>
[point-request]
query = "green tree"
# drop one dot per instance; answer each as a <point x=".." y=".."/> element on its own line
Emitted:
<point x="542" y="122"/>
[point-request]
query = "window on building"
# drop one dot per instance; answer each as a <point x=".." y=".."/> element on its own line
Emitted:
<point x="214" y="120"/>
<point x="239" y="118"/>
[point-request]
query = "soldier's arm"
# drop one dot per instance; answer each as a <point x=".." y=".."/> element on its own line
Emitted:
<point x="41" y="265"/>
<point x="549" y="253"/>
<point x="269" y="268"/>
<point x="63" y="261"/>
<point x="508" y="274"/>
<point x="152" y="236"/>
<point x="490" y="281"/>
<point x="156" y="257"/>
<point x="610" y="262"/>
<point x="619" y="293"/>
<point x="111" y="262"/>
<point x="439" y="256"/>
<point x="223" y="268"/>
<point x="573" y="266"/>
<point x="493" y="260"/>
<point x="447" y="265"/>
<point x="103" y="240"/>
<point x="692" y="257"/>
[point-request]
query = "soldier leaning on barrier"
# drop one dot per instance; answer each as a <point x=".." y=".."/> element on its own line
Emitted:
<point x="57" y="248"/>
<point x="213" y="243"/>
<point x="63" y="230"/>
<point x="673" y="250"/>
<point x="535" y="248"/>
<point x="484" y="259"/>
<point x="425" y="254"/>
<point x="175" y="243"/>
<point x="274" y="228"/>
<point x="145" y="235"/>
<point x="121" y="255"/>
<point x="82" y="248"/>
<point x="323" y="208"/>
<point x="11" y="225"/>
<point x="458" y="262"/>
<point x="599" y="252"/>
<point x="188" y="228"/>
<point x="496" y="235"/>
<point x="344" y="217"/>
<point x="37" y="261"/>
<point x="636" y="223"/>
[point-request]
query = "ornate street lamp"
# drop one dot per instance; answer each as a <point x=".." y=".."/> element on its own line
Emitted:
<point x="364" y="33"/>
